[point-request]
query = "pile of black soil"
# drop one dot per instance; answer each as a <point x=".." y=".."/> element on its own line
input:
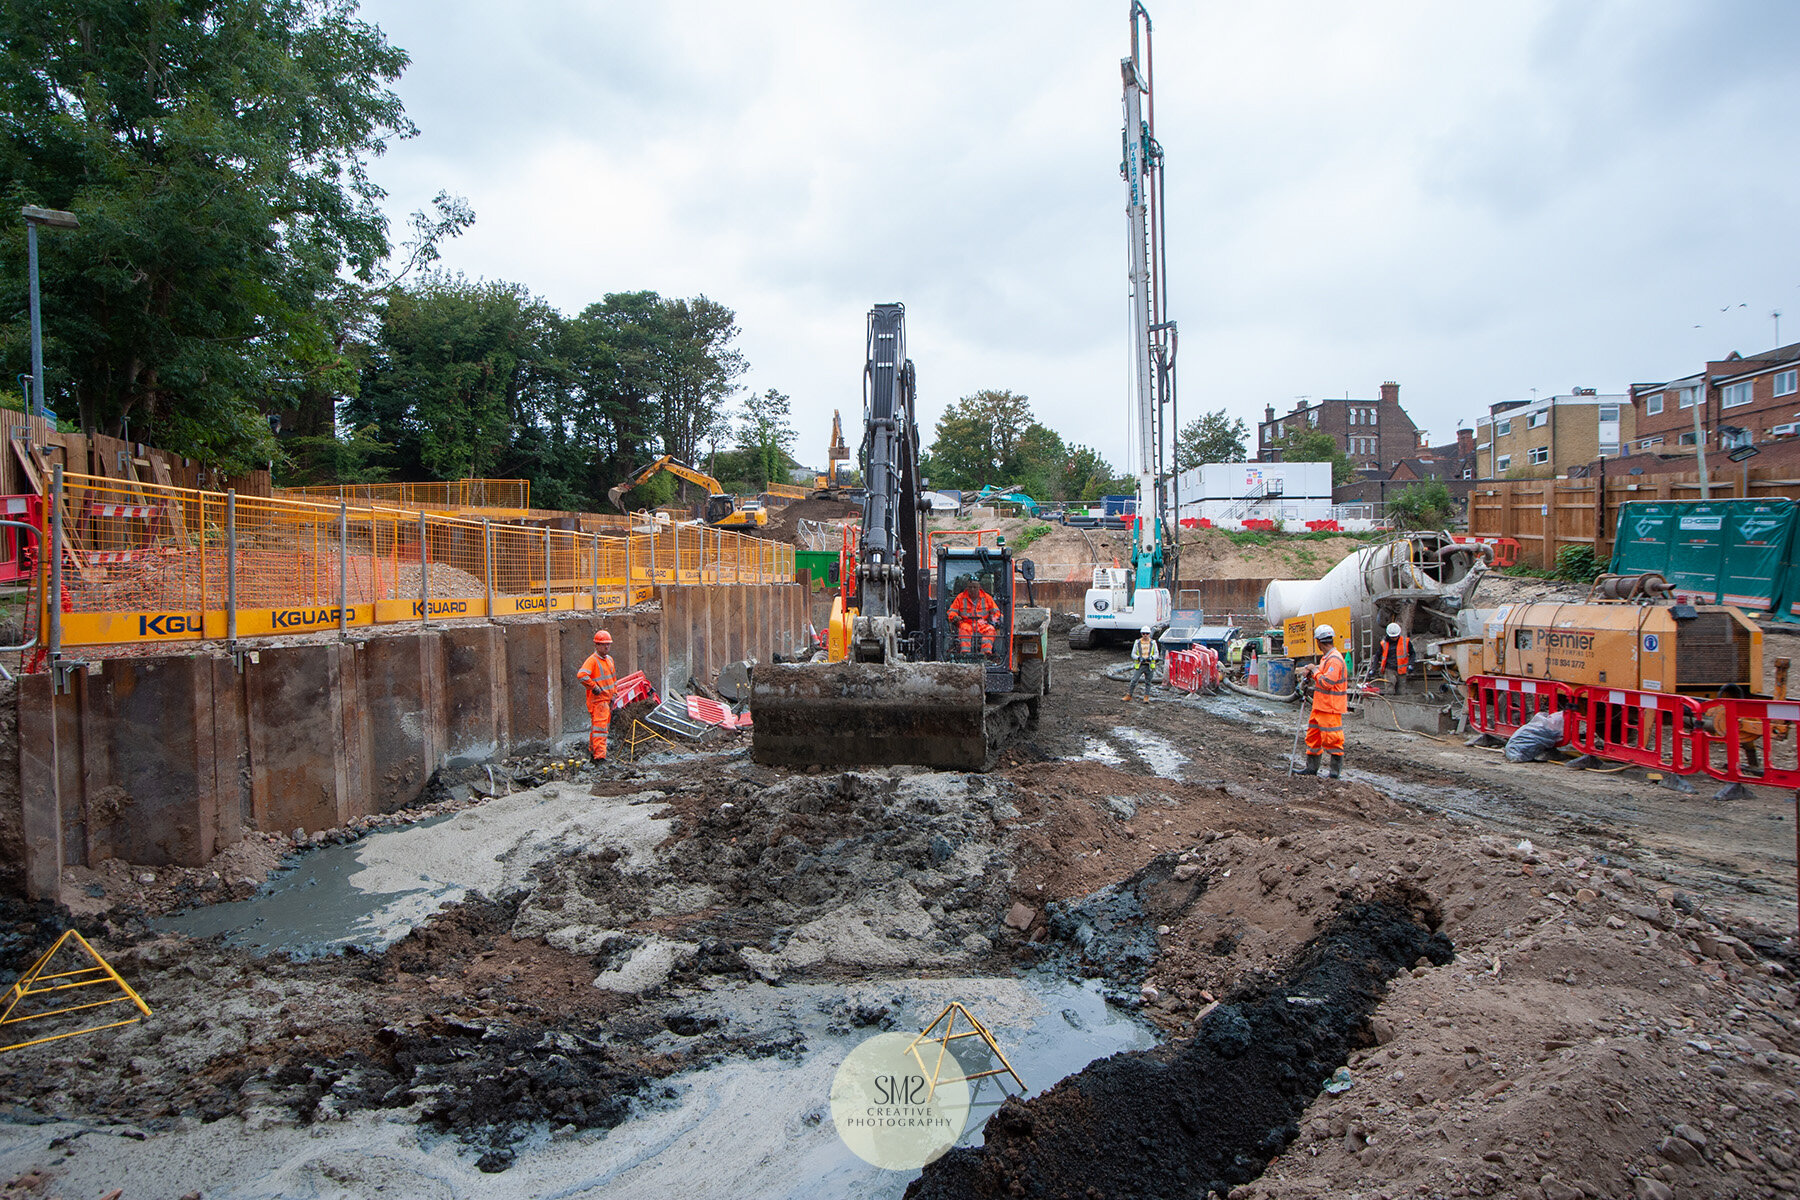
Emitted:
<point x="1110" y="933"/>
<point x="1208" y="1114"/>
<point x="27" y="929"/>
<point x="492" y="1085"/>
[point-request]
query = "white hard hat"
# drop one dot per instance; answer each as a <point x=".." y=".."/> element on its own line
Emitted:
<point x="1393" y="629"/>
<point x="1324" y="633"/>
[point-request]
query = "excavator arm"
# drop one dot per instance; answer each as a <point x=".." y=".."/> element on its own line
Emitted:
<point x="675" y="467"/>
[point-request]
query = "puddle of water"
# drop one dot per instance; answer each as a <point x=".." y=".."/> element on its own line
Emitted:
<point x="743" y="1127"/>
<point x="373" y="891"/>
<point x="1101" y="751"/>
<point x="1158" y="753"/>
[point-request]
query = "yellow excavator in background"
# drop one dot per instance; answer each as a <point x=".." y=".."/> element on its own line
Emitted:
<point x="722" y="509"/>
<point x="833" y="484"/>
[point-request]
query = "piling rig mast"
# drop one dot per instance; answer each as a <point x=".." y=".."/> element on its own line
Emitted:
<point x="1141" y="600"/>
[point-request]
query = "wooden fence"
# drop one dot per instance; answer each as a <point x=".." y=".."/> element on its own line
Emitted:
<point x="33" y="446"/>
<point x="1544" y="515"/>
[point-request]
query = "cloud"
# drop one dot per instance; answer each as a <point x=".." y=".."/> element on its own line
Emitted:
<point x="1470" y="199"/>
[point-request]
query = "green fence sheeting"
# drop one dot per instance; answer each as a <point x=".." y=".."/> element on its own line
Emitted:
<point x="1715" y="551"/>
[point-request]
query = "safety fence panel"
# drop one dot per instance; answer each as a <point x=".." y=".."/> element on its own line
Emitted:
<point x="1650" y="729"/>
<point x="457" y="493"/>
<point x="147" y="563"/>
<point x="1748" y="741"/>
<point x="1499" y="704"/>
<point x="1195" y="669"/>
<point x="1505" y="549"/>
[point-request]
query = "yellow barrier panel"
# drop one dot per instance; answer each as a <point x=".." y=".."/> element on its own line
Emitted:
<point x="40" y="981"/>
<point x="149" y="563"/>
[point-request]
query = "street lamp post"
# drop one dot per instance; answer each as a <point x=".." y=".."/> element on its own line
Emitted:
<point x="55" y="219"/>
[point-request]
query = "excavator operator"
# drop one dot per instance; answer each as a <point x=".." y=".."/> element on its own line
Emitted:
<point x="974" y="612"/>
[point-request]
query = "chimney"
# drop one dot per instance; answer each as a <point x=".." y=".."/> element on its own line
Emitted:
<point x="1390" y="391"/>
<point x="1298" y="405"/>
<point x="1269" y="412"/>
<point x="1465" y="442"/>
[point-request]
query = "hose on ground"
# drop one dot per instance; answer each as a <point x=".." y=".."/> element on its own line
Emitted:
<point x="1256" y="694"/>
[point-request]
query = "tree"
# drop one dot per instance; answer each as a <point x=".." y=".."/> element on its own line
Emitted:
<point x="459" y="368"/>
<point x="1422" y="505"/>
<point x="1315" y="445"/>
<point x="765" y="434"/>
<point x="695" y="372"/>
<point x="608" y="411"/>
<point x="216" y="153"/>
<point x="978" y="439"/>
<point x="1214" y="437"/>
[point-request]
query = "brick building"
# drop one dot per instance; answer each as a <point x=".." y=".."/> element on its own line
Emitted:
<point x="1375" y="434"/>
<point x="1453" y="464"/>
<point x="1742" y="401"/>
<point x="1546" y="437"/>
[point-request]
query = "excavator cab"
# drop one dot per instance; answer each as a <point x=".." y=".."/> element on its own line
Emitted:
<point x="990" y="570"/>
<point x="719" y="509"/>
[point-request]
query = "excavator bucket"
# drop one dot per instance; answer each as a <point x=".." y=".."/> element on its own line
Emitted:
<point x="849" y="714"/>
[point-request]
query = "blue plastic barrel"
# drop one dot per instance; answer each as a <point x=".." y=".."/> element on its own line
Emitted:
<point x="1278" y="676"/>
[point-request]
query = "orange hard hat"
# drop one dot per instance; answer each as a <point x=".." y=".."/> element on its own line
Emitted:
<point x="603" y="638"/>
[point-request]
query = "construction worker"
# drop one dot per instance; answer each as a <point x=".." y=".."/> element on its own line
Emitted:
<point x="1331" y="685"/>
<point x="1143" y="662"/>
<point x="1394" y="654"/>
<point x="601" y="679"/>
<point x="974" y="612"/>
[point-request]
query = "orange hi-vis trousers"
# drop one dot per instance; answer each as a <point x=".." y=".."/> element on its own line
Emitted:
<point x="601" y="679"/>
<point x="1331" y="685"/>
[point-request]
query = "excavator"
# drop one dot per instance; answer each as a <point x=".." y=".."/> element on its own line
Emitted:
<point x="722" y="509"/>
<point x="834" y="484"/>
<point x="906" y="690"/>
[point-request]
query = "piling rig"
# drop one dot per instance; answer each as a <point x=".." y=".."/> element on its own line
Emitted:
<point x="906" y="691"/>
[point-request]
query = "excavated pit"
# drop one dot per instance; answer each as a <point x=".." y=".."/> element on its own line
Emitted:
<point x="1210" y="1113"/>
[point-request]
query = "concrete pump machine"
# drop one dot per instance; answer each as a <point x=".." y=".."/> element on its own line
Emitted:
<point x="914" y="685"/>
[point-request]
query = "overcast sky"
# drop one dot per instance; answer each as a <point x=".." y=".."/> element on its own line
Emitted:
<point x="1472" y="199"/>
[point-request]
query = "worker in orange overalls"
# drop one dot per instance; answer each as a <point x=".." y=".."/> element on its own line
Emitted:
<point x="601" y="679"/>
<point x="974" y="612"/>
<point x="1394" y="655"/>
<point x="1331" y="686"/>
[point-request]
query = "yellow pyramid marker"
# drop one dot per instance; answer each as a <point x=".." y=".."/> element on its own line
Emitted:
<point x="41" y="981"/>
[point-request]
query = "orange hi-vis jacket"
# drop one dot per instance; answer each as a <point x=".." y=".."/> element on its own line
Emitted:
<point x="977" y="606"/>
<point x="1331" y="686"/>
<point x="1401" y="652"/>
<point x="600" y="678"/>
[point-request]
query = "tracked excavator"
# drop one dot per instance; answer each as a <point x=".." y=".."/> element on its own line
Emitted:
<point x="909" y="689"/>
<point x="722" y="509"/>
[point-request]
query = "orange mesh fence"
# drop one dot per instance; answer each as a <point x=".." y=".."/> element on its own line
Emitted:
<point x="143" y="562"/>
<point x="459" y="493"/>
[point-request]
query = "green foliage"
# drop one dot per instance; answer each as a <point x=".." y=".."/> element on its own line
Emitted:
<point x="1575" y="564"/>
<point x="215" y="152"/>
<point x="1028" y="535"/>
<point x="1315" y="445"/>
<point x="1423" y="505"/>
<point x="992" y="438"/>
<point x="1214" y="437"/>
<point x="456" y="367"/>
<point x="765" y="434"/>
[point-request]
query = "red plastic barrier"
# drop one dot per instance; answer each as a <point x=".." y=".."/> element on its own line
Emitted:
<point x="1729" y="734"/>
<point x="1651" y="729"/>
<point x="1330" y="526"/>
<point x="1500" y="704"/>
<point x="1260" y="525"/>
<point x="1184" y="670"/>
<point x="632" y="687"/>
<point x="1506" y="550"/>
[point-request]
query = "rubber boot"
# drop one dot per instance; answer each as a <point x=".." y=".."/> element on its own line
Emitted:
<point x="1311" y="767"/>
<point x="1337" y="766"/>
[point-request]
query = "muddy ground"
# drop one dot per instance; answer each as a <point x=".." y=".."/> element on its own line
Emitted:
<point x="1564" y="985"/>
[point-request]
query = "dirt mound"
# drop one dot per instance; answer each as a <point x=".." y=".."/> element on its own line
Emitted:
<point x="784" y="522"/>
<point x="1208" y="1114"/>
